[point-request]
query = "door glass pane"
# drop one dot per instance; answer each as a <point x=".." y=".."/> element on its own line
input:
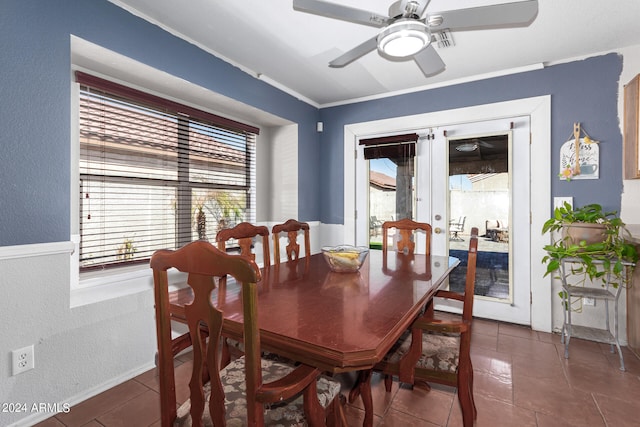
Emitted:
<point x="391" y="192"/>
<point x="480" y="196"/>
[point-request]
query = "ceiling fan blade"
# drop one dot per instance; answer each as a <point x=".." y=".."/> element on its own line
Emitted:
<point x="496" y="16"/>
<point x="429" y="61"/>
<point x="484" y="143"/>
<point x="355" y="53"/>
<point x="338" y="11"/>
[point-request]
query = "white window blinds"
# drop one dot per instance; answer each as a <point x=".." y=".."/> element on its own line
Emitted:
<point x="153" y="177"/>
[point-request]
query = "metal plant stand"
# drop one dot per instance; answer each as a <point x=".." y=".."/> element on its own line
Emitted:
<point x="605" y="293"/>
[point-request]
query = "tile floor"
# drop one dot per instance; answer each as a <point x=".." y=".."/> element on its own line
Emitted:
<point x="521" y="379"/>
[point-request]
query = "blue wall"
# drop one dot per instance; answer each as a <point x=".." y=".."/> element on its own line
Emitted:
<point x="35" y="111"/>
<point x="582" y="91"/>
<point x="35" y="108"/>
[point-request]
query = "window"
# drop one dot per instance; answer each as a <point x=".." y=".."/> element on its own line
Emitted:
<point x="392" y="171"/>
<point x="155" y="174"/>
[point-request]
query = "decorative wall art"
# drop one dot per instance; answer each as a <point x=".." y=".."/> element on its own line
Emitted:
<point x="631" y="129"/>
<point x="579" y="157"/>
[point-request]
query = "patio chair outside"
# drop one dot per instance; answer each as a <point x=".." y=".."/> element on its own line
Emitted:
<point x="456" y="227"/>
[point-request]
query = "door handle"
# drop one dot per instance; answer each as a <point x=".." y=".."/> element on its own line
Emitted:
<point x="437" y="230"/>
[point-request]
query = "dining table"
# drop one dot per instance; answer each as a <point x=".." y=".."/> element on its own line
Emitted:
<point x="337" y="322"/>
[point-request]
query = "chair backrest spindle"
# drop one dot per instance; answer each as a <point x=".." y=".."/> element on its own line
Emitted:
<point x="292" y="228"/>
<point x="244" y="233"/>
<point x="408" y="230"/>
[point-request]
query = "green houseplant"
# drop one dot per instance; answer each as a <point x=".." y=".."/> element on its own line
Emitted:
<point x="598" y="245"/>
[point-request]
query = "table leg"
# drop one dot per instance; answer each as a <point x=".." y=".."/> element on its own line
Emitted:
<point x="362" y="387"/>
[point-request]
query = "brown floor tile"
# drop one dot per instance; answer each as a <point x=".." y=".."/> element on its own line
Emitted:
<point x="596" y="359"/>
<point x="355" y="416"/>
<point x="381" y="399"/>
<point x="484" y="341"/>
<point x="517" y="331"/>
<point x="584" y="345"/>
<point x="606" y="349"/>
<point x="395" y="418"/>
<point x="101" y="404"/>
<point x="631" y="362"/>
<point x="433" y="406"/>
<point x="185" y="356"/>
<point x="524" y="364"/>
<point x="532" y="347"/>
<point x="609" y="380"/>
<point x="546" y="420"/>
<point x="494" y="413"/>
<point x="50" y="422"/>
<point x="491" y="362"/>
<point x="584" y="351"/>
<point x="547" y="337"/>
<point x="493" y="386"/>
<point x="485" y="327"/>
<point x="183" y="375"/>
<point x="616" y="411"/>
<point x="149" y="379"/>
<point x="555" y="398"/>
<point x="142" y="410"/>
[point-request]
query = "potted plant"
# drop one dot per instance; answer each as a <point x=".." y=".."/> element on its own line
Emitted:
<point x="592" y="237"/>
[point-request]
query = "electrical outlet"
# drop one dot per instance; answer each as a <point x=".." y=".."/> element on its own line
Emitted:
<point x="23" y="359"/>
<point x="589" y="301"/>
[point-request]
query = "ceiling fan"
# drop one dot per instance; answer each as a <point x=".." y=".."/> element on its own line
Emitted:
<point x="468" y="145"/>
<point x="407" y="31"/>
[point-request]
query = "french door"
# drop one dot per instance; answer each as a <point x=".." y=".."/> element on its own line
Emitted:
<point x="472" y="175"/>
<point x="480" y="177"/>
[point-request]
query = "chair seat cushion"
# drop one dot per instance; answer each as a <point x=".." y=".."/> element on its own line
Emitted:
<point x="439" y="352"/>
<point x="235" y="344"/>
<point x="285" y="413"/>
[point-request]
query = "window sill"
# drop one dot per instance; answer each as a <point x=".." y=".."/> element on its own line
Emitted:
<point x="101" y="286"/>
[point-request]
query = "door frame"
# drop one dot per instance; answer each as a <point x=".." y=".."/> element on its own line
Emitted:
<point x="539" y="109"/>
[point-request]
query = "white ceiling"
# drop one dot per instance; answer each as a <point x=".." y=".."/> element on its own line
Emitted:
<point x="291" y="49"/>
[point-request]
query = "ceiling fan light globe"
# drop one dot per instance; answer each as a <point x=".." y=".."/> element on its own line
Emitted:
<point x="402" y="46"/>
<point x="404" y="38"/>
<point x="467" y="147"/>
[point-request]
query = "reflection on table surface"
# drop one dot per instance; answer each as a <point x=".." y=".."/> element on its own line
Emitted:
<point x="336" y="321"/>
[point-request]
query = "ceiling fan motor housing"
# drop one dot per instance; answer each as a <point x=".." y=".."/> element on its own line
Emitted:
<point x="397" y="11"/>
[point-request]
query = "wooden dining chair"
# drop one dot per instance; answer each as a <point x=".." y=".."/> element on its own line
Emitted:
<point x="438" y="348"/>
<point x="408" y="230"/>
<point x="292" y="228"/>
<point x="250" y="390"/>
<point x="243" y="233"/>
